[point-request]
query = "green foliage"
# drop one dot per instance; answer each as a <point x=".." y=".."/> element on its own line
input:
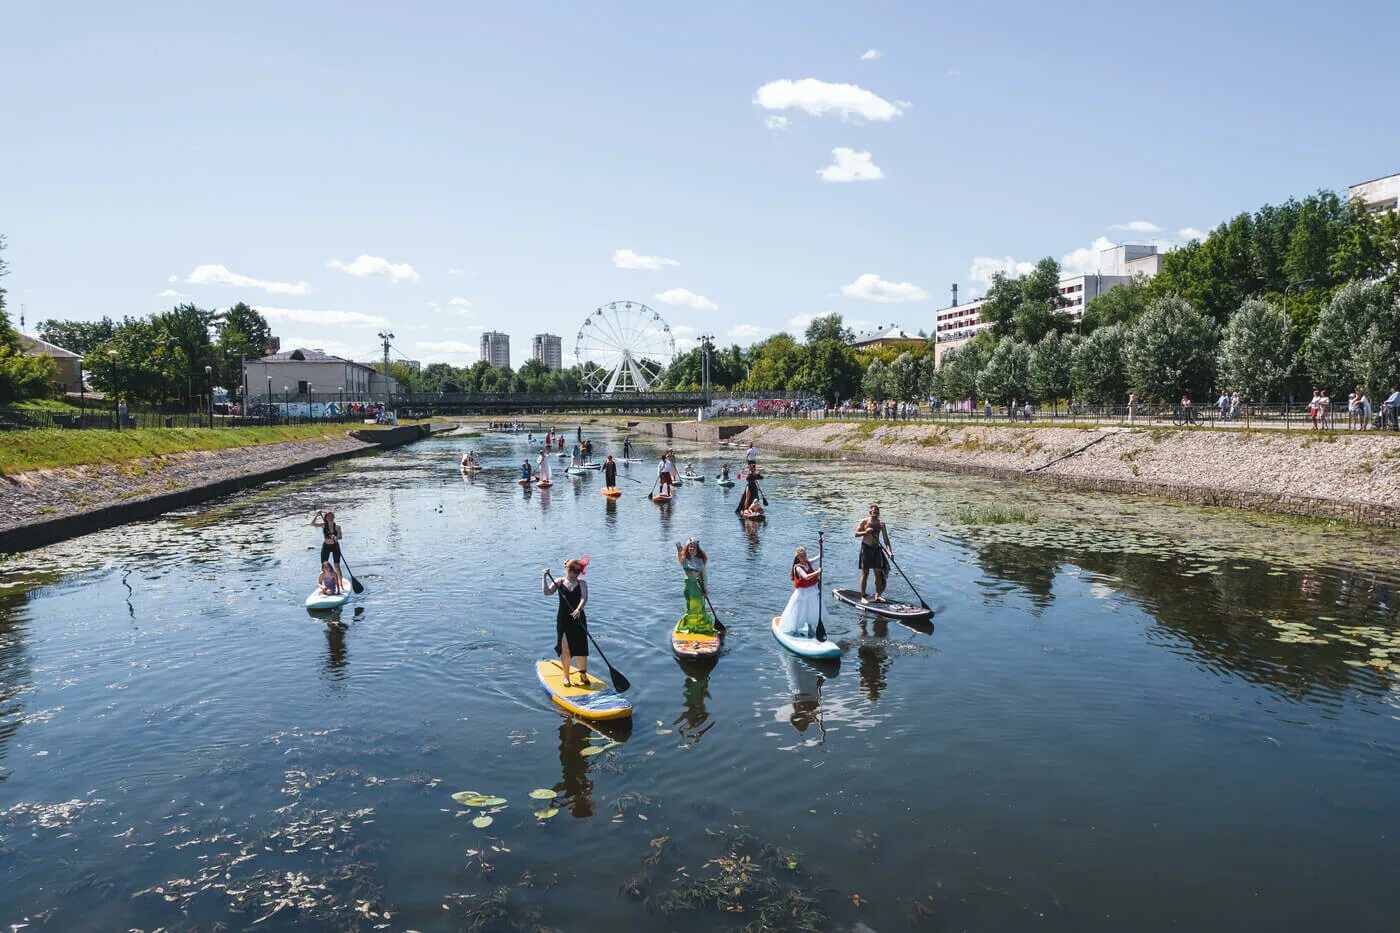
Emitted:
<point x="910" y="376"/>
<point x="1006" y="374"/>
<point x="828" y="327"/>
<point x="1121" y="304"/>
<point x="829" y="369"/>
<point x="1048" y="376"/>
<point x="1027" y="307"/>
<point x="1256" y="354"/>
<point x="405" y="375"/>
<point x="1356" y="339"/>
<point x="875" y="384"/>
<point x="1096" y="365"/>
<point x="1369" y="248"/>
<point x="80" y="337"/>
<point x="1170" y="350"/>
<point x="957" y="375"/>
<point x="774" y="363"/>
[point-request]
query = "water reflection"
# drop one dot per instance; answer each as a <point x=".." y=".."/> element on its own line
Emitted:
<point x="805" y="682"/>
<point x="575" y="736"/>
<point x="694" y="719"/>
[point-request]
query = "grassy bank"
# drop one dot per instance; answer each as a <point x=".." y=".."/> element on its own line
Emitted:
<point x="49" y="449"/>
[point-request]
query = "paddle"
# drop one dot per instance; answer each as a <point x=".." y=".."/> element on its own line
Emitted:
<point x="720" y="629"/>
<point x="355" y="584"/>
<point x="906" y="578"/>
<point x="620" y="683"/>
<point x="821" y="563"/>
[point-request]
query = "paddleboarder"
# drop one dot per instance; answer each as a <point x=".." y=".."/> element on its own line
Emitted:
<point x="693" y="561"/>
<point x="750" y="498"/>
<point x="724" y="473"/>
<point x="331" y="536"/>
<point x="329" y="582"/>
<point x="800" y="615"/>
<point x="570" y="622"/>
<point x="525" y="474"/>
<point x="663" y="476"/>
<point x="671" y="466"/>
<point x="872" y="556"/>
<point x="610" y="471"/>
<point x="627" y="448"/>
<point x="751" y="458"/>
<point x="543" y="461"/>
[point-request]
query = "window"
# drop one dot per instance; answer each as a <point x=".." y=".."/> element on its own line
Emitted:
<point x="301" y="386"/>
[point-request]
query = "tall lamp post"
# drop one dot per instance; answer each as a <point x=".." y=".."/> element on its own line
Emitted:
<point x="209" y="382"/>
<point x="286" y="413"/>
<point x="340" y="407"/>
<point x="311" y="401"/>
<point x="112" y="355"/>
<point x="706" y="341"/>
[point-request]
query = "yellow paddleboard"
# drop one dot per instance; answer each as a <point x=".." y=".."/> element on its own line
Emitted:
<point x="612" y="492"/>
<point x="595" y="701"/>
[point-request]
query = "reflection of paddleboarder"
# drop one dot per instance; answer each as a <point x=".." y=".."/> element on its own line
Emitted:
<point x="872" y="555"/>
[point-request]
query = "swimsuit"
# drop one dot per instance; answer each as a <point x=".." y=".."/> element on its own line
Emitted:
<point x="329" y="547"/>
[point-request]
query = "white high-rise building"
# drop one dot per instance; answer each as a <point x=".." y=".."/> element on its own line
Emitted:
<point x="495" y="349"/>
<point x="549" y="350"/>
<point x="1379" y="194"/>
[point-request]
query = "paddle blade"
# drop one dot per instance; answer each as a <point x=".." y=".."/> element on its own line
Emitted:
<point x="620" y="684"/>
<point x="821" y="631"/>
<point x="356" y="585"/>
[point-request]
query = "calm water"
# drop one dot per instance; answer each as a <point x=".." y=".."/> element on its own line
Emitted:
<point x="1129" y="715"/>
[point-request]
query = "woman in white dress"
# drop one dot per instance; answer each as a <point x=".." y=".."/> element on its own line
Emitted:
<point x="800" y="615"/>
<point x="544" y="471"/>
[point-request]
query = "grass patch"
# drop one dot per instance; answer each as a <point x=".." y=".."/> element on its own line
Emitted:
<point x="993" y="515"/>
<point x="52" y="449"/>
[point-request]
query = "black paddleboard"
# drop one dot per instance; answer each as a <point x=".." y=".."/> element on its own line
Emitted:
<point x="908" y="612"/>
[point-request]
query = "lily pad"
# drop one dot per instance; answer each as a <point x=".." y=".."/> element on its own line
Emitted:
<point x="481" y="822"/>
<point x="542" y="793"/>
<point x="462" y="796"/>
<point x="490" y="802"/>
<point x="546" y="814"/>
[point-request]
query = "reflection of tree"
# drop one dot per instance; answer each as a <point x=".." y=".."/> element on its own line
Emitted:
<point x="1222" y="616"/>
<point x="16" y="678"/>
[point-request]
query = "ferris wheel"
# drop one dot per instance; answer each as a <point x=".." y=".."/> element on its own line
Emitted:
<point x="624" y="346"/>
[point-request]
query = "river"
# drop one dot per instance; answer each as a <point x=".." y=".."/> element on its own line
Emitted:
<point x="1128" y="714"/>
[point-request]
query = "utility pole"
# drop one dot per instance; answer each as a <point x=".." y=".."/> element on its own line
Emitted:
<point x="705" y="344"/>
<point x="386" y="336"/>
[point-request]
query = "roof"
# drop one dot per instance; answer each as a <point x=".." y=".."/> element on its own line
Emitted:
<point x="303" y="355"/>
<point x="893" y="334"/>
<point x="37" y="347"/>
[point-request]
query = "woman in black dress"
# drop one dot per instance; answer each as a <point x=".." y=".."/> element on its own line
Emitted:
<point x="570" y="622"/>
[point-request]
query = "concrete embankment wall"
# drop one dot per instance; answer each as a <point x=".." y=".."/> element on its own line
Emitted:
<point x="1355" y="477"/>
<point x="698" y="431"/>
<point x="53" y="505"/>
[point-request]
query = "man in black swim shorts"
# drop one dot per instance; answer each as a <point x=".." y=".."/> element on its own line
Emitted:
<point x="872" y="555"/>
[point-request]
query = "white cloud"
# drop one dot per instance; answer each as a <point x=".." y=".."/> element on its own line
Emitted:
<point x="801" y="321"/>
<point x="746" y="332"/>
<point x="363" y="267"/>
<point x="1137" y="226"/>
<point x="820" y="97"/>
<point x="1085" y="260"/>
<point x="172" y="279"/>
<point x="171" y="293"/>
<point x="627" y="259"/>
<point x="321" y="318"/>
<point x="984" y="267"/>
<point x="851" y="166"/>
<point x="212" y="274"/>
<point x="1191" y="233"/>
<point x="460" y="303"/>
<point x="686" y="298"/>
<point x="683" y="330"/>
<point x="870" y="287"/>
<point x="448" y="351"/>
<point x="777" y="123"/>
<point x="871" y="54"/>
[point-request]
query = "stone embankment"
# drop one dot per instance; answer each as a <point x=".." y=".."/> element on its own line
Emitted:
<point x="43" y="506"/>
<point x="1355" y="477"/>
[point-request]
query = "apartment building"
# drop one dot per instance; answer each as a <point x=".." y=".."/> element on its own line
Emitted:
<point x="548" y="349"/>
<point x="495" y="349"/>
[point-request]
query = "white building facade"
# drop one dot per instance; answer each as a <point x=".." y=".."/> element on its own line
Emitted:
<point x="495" y="349"/>
<point x="548" y="349"/>
<point x="303" y="372"/>
<point x="1379" y="194"/>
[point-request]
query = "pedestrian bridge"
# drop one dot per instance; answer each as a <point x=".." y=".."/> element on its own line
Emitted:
<point x="490" y="403"/>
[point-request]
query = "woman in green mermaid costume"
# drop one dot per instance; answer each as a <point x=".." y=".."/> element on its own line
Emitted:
<point x="692" y="559"/>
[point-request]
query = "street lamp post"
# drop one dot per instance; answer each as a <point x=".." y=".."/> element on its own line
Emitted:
<point x="267" y="400"/>
<point x="285" y="402"/>
<point x="209" y="382"/>
<point x="112" y="355"/>
<point x="340" y="399"/>
<point x="311" y="401"/>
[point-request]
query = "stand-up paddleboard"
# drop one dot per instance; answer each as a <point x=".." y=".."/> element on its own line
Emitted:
<point x="748" y="516"/>
<point x="661" y="497"/>
<point x="907" y="612"/>
<point x="694" y="477"/>
<point x="576" y="471"/>
<point x="726" y="483"/>
<point x="612" y="492"/>
<point x="592" y="465"/>
<point x="806" y="647"/>
<point x="595" y="701"/>
<point x="631" y="459"/>
<point x="544" y="484"/>
<point x="319" y="600"/>
<point x="693" y="646"/>
<point x="523" y="481"/>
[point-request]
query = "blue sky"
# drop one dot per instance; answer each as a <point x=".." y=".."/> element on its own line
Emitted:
<point x="501" y="155"/>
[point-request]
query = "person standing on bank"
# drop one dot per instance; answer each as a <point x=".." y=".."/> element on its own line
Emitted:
<point x="872" y="556"/>
<point x="570" y="622"/>
<point x="331" y="536"/>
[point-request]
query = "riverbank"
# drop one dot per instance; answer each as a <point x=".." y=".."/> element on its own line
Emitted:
<point x="41" y="506"/>
<point x="1353" y="477"/>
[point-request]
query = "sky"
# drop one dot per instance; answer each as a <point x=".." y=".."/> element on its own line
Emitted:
<point x="443" y="168"/>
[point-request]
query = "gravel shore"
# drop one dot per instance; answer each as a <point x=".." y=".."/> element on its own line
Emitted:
<point x="1349" y="476"/>
<point x="43" y="495"/>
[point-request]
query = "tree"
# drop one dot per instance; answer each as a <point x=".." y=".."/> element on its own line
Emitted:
<point x="1121" y="304"/>
<point x="1369" y="247"/>
<point x="1255" y="352"/>
<point x="242" y="334"/>
<point x="441" y="377"/>
<point x="828" y="369"/>
<point x="1096" y="366"/>
<point x="1170" y="350"/>
<point x="1316" y="235"/>
<point x="1047" y="377"/>
<point x="1000" y="303"/>
<point x="775" y="362"/>
<point x="875" y="384"/>
<point x="80" y="337"/>
<point x="957" y="374"/>
<point x="1356" y="339"/>
<point x="909" y="377"/>
<point x="828" y="327"/>
<point x="138" y="363"/>
<point x="1004" y="376"/>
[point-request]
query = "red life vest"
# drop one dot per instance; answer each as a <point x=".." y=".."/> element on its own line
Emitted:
<point x="799" y="582"/>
